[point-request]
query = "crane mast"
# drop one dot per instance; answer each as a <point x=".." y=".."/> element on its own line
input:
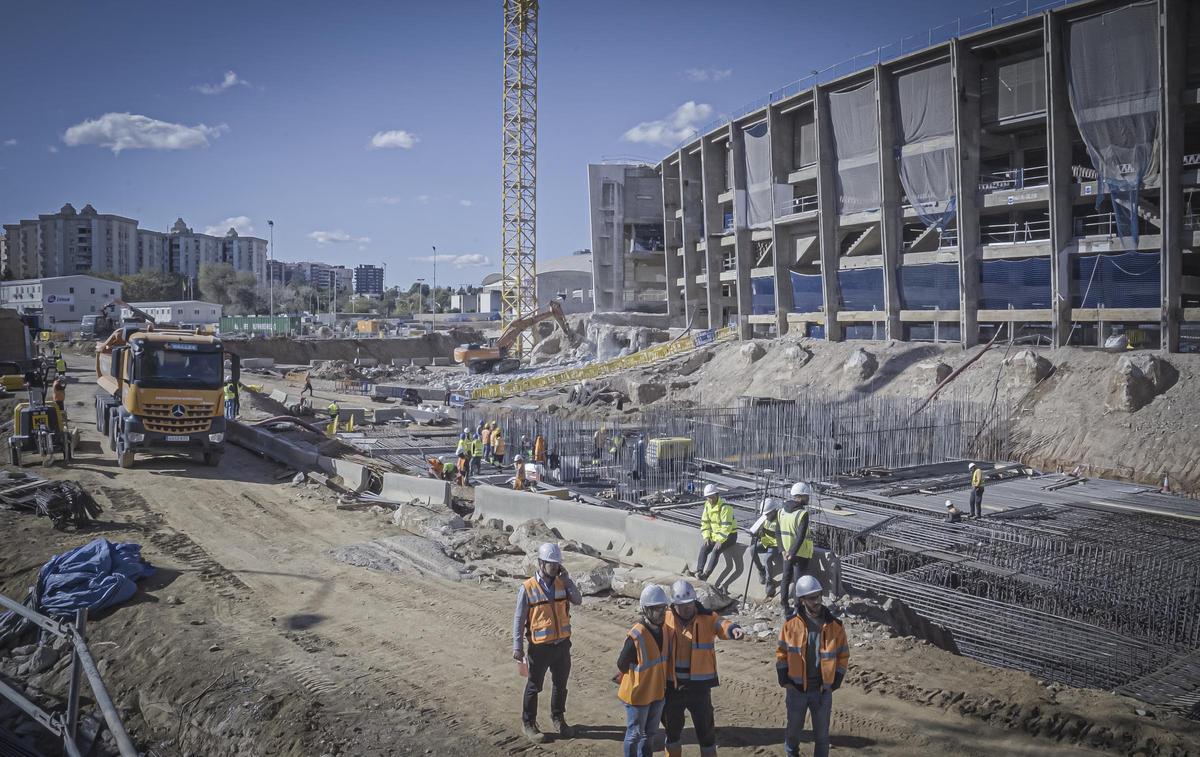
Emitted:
<point x="518" y="269"/>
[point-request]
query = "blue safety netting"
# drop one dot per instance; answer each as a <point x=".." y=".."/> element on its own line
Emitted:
<point x="807" y="295"/>
<point x="866" y="331"/>
<point x="762" y="295"/>
<point x="929" y="286"/>
<point x="924" y="332"/>
<point x="1127" y="280"/>
<point x="1023" y="284"/>
<point x="861" y="288"/>
<point x="815" y="331"/>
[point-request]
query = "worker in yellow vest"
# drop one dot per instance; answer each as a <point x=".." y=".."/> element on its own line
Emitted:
<point x="643" y="673"/>
<point x="765" y="542"/>
<point x="543" y="619"/>
<point x="795" y="539"/>
<point x="811" y="660"/>
<point x="229" y="392"/>
<point x="477" y="452"/>
<point x="690" y="631"/>
<point x="718" y="530"/>
<point x="60" y="365"/>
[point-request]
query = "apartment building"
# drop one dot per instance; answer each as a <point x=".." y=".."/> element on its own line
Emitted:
<point x="368" y="280"/>
<point x="1034" y="172"/>
<point x="628" y="271"/>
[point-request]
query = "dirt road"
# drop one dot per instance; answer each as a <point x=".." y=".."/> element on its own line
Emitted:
<point x="252" y="640"/>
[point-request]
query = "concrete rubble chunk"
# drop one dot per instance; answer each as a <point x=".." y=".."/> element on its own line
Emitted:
<point x="422" y="521"/>
<point x="797" y="356"/>
<point x="752" y="351"/>
<point x="694" y="362"/>
<point x="1029" y="367"/>
<point x="939" y="371"/>
<point x="531" y="534"/>
<point x="860" y="366"/>
<point x="591" y="574"/>
<point x="1137" y="380"/>
<point x="629" y="582"/>
<point x="42" y="659"/>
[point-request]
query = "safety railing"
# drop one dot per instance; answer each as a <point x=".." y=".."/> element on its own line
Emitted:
<point x="935" y="35"/>
<point x="66" y="725"/>
<point x="1015" y="178"/>
<point x="1015" y="233"/>
<point x="797" y="205"/>
<point x="1191" y="222"/>
<point x="604" y="368"/>
<point x="1097" y="225"/>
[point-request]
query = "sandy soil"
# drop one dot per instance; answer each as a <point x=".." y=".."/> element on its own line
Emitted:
<point x="252" y="640"/>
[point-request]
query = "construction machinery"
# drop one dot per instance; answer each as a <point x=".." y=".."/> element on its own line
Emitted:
<point x="38" y="425"/>
<point x="495" y="358"/>
<point x="109" y="319"/>
<point x="160" y="391"/>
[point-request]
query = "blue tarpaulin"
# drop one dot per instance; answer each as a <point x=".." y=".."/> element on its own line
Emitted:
<point x="97" y="575"/>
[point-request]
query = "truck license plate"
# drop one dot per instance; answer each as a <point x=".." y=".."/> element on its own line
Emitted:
<point x="177" y="438"/>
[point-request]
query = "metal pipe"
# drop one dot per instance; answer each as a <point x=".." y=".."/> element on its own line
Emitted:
<point x="111" y="717"/>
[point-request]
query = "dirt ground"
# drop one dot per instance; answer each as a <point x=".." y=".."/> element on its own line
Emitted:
<point x="251" y="639"/>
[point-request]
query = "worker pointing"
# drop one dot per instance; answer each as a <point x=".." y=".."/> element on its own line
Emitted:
<point x="643" y="673"/>
<point x="543" y="618"/>
<point x="718" y="529"/>
<point x="811" y="660"/>
<point x="690" y="632"/>
<point x="795" y="539"/>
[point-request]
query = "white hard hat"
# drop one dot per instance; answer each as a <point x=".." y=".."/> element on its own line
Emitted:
<point x="772" y="504"/>
<point x="653" y="596"/>
<point x="549" y="552"/>
<point x="466" y="430"/>
<point x="806" y="586"/>
<point x="801" y="488"/>
<point x="972" y="466"/>
<point x="710" y="490"/>
<point x="682" y="592"/>
<point x="519" y="459"/>
<point x="949" y="504"/>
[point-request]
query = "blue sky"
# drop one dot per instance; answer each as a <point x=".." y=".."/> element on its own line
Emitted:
<point x="269" y="110"/>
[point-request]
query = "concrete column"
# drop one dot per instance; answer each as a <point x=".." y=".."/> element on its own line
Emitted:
<point x="743" y="247"/>
<point x="827" y="218"/>
<point x="1058" y="143"/>
<point x="1172" y="52"/>
<point x="669" y="173"/>
<point x="691" y="198"/>
<point x="967" y="133"/>
<point x="890" y="213"/>
<point x="712" y="159"/>
<point x="780" y="166"/>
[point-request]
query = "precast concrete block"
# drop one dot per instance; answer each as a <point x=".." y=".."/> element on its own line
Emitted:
<point x="402" y="488"/>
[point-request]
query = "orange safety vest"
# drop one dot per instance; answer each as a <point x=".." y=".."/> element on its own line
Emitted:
<point x="548" y="619"/>
<point x="691" y="651"/>
<point x="519" y="481"/>
<point x="793" y="643"/>
<point x="497" y="442"/>
<point x="646" y="680"/>
<point x="539" y="449"/>
<point x="60" y="393"/>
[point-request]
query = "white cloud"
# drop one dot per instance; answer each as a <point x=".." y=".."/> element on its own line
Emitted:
<point x="458" y="261"/>
<point x="394" y="138"/>
<point x="423" y="199"/>
<point x="388" y="200"/>
<point x="240" y="224"/>
<point x="465" y="203"/>
<point x="676" y="127"/>
<point x="230" y="81"/>
<point x="337" y="236"/>
<point x="10" y="143"/>
<point x="128" y="131"/>
<point x="51" y="149"/>
<point x="708" y="74"/>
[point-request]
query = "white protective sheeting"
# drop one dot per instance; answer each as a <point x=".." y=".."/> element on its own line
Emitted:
<point x="1114" y="87"/>
<point x="762" y="195"/>
<point x="925" y="153"/>
<point x="856" y="148"/>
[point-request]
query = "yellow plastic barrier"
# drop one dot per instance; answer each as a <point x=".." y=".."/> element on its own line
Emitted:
<point x="596" y="370"/>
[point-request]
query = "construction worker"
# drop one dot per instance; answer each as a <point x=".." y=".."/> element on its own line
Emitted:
<point x="60" y="394"/>
<point x="811" y="661"/>
<point x="690" y="631"/>
<point x="60" y="365"/>
<point x="449" y="470"/>
<point x="523" y="448"/>
<point x="539" y="449"/>
<point x="618" y="444"/>
<point x="718" y="529"/>
<point x="543" y="618"/>
<point x="435" y="468"/>
<point x="498" y="446"/>
<point x="519" y="482"/>
<point x="230" y="394"/>
<point x="795" y="539"/>
<point x="464" y="465"/>
<point x="599" y="439"/>
<point x="765" y="543"/>
<point x="643" y="673"/>
<point x="464" y="439"/>
<point x="953" y="514"/>
<point x="307" y="386"/>
<point x="487" y="442"/>
<point x="976" y="490"/>
<point x="477" y="452"/>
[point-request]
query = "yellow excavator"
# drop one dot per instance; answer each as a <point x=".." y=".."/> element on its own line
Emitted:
<point x="480" y="358"/>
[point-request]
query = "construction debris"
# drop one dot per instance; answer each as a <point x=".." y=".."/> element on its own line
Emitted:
<point x="65" y="503"/>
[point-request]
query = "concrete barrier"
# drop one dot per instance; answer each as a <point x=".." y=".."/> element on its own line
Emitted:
<point x="601" y="527"/>
<point x="512" y="507"/>
<point x="355" y="477"/>
<point x="346" y="413"/>
<point x="385" y="414"/>
<point x="258" y="362"/>
<point x="422" y="361"/>
<point x="264" y="442"/>
<point x="401" y="488"/>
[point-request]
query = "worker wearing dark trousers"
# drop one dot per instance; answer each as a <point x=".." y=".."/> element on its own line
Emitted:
<point x="307" y="386"/>
<point x="543" y="618"/>
<point x="795" y="539"/>
<point x="976" y="491"/>
<point x="718" y="530"/>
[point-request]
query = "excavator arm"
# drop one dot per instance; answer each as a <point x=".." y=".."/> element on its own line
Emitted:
<point x="479" y="359"/>
<point x="112" y="312"/>
<point x="520" y="325"/>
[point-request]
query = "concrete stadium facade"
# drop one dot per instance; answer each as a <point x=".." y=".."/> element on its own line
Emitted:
<point x="804" y="215"/>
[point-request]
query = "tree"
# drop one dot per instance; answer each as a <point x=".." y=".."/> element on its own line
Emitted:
<point x="7" y="275"/>
<point x="237" y="290"/>
<point x="150" y="286"/>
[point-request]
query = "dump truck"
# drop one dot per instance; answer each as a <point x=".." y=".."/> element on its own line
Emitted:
<point x="160" y="391"/>
<point x="494" y="358"/>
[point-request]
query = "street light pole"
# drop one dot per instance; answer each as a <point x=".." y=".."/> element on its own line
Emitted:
<point x="433" y="292"/>
<point x="270" y="272"/>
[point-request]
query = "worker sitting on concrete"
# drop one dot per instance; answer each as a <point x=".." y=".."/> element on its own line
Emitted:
<point x="477" y="452"/>
<point x="718" y="529"/>
<point x="689" y="632"/>
<point x="795" y="539"/>
<point x="497" y="446"/>
<point x="953" y="514"/>
<point x="519" y="482"/>
<point x="230" y="394"/>
<point x="543" y="618"/>
<point x="60" y="395"/>
<point x="976" y="490"/>
<point x="539" y="449"/>
<point x="811" y="661"/>
<point x="643" y="673"/>
<point x="435" y="468"/>
<point x="765" y="543"/>
<point x="487" y="442"/>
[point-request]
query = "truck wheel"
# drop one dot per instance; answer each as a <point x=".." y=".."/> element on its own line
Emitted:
<point x="14" y="455"/>
<point x="112" y="437"/>
<point x="125" y="459"/>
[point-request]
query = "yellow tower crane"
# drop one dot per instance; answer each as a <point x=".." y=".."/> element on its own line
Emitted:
<point x="518" y="269"/>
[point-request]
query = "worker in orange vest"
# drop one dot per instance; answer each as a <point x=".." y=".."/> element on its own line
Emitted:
<point x="519" y="481"/>
<point x="435" y="468"/>
<point x="692" y="667"/>
<point x="811" y="660"/>
<point x="643" y="673"/>
<point x="543" y="618"/>
<point x="539" y="449"/>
